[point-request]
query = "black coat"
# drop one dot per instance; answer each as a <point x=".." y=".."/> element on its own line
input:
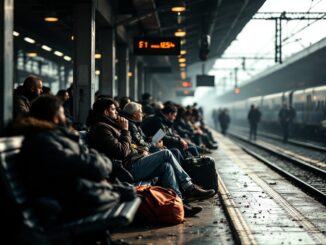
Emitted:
<point x="254" y="116"/>
<point x="57" y="166"/>
<point x="153" y="123"/>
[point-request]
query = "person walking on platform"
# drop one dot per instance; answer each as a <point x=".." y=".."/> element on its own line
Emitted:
<point x="285" y="118"/>
<point x="253" y="118"/>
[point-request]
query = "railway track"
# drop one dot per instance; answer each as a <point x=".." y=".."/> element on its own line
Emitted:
<point x="308" y="177"/>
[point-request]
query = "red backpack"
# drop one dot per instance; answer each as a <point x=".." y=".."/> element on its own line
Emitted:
<point x="159" y="206"/>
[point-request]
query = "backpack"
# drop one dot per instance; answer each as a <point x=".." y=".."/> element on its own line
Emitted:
<point x="159" y="206"/>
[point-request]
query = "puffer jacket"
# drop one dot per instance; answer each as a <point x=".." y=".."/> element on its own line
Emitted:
<point x="55" y="165"/>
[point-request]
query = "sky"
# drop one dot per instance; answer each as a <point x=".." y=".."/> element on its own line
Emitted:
<point x="257" y="40"/>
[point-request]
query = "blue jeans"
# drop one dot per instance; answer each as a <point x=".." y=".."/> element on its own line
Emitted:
<point x="193" y="149"/>
<point x="162" y="164"/>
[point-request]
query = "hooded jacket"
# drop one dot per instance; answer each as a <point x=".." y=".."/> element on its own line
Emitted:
<point x="55" y="165"/>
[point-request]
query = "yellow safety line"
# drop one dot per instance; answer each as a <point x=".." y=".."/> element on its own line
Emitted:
<point x="293" y="212"/>
<point x="240" y="226"/>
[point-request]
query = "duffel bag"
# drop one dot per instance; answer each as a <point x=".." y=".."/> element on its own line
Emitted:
<point x="159" y="206"/>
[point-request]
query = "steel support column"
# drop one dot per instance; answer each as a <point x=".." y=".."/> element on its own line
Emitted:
<point x="107" y="82"/>
<point x="6" y="64"/>
<point x="140" y="76"/>
<point x="133" y="79"/>
<point x="278" y="40"/>
<point x="84" y="63"/>
<point x="123" y="68"/>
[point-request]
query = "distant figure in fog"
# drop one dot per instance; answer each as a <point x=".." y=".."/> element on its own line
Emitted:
<point x="253" y="118"/>
<point x="224" y="120"/>
<point x="285" y="119"/>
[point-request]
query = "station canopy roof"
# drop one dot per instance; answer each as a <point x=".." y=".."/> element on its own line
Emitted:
<point x="222" y="20"/>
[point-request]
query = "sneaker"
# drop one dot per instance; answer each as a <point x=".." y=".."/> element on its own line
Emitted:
<point x="191" y="211"/>
<point x="194" y="192"/>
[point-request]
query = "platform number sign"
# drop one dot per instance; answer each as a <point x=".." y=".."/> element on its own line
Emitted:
<point x="157" y="46"/>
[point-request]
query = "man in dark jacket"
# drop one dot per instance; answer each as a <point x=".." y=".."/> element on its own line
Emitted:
<point x="56" y="166"/>
<point x="164" y="120"/>
<point x="253" y="118"/>
<point x="109" y="134"/>
<point x="23" y="96"/>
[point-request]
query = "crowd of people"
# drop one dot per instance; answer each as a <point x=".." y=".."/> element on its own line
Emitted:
<point x="120" y="134"/>
<point x="286" y="116"/>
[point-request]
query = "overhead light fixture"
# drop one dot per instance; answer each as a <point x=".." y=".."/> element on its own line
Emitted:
<point x="51" y="17"/>
<point x="58" y="53"/>
<point x="67" y="58"/>
<point x="180" y="33"/>
<point x="72" y="37"/>
<point x="31" y="54"/>
<point x="178" y="6"/>
<point x="130" y="74"/>
<point x="16" y="34"/>
<point x="182" y="60"/>
<point x="183" y="65"/>
<point x="29" y="40"/>
<point x="183" y="52"/>
<point x="178" y="9"/>
<point x="47" y="48"/>
<point x="183" y="76"/>
<point x="98" y="56"/>
<point x="97" y="72"/>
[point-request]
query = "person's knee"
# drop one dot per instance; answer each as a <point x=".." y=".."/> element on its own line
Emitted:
<point x="167" y="154"/>
<point x="167" y="168"/>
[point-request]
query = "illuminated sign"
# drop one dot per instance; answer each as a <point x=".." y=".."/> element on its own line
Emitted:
<point x="156" y="46"/>
<point x="237" y="90"/>
<point x="186" y="84"/>
<point x="182" y="93"/>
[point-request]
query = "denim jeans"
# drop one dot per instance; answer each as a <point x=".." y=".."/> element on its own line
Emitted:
<point x="162" y="164"/>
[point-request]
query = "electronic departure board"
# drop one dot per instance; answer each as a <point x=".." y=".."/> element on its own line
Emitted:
<point x="156" y="46"/>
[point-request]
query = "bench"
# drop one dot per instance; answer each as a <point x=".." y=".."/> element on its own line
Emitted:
<point x="11" y="178"/>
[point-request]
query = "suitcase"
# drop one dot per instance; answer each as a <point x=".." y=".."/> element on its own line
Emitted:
<point x="202" y="171"/>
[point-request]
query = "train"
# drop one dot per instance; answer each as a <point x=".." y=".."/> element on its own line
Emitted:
<point x="309" y="105"/>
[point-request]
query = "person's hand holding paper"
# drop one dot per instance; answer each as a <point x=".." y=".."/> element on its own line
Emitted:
<point x="158" y="136"/>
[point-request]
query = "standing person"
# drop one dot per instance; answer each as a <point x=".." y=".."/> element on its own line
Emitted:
<point x="285" y="117"/>
<point x="224" y="120"/>
<point x="253" y="118"/>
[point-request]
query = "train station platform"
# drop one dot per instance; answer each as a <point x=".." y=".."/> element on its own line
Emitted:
<point x="254" y="205"/>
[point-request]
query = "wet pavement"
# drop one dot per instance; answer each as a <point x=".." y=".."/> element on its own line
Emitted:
<point x="208" y="227"/>
<point x="276" y="212"/>
<point x="269" y="209"/>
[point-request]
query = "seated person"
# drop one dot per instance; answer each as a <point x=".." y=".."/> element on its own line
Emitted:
<point x="132" y="111"/>
<point x="164" y="120"/>
<point x="57" y="167"/>
<point x="109" y="134"/>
